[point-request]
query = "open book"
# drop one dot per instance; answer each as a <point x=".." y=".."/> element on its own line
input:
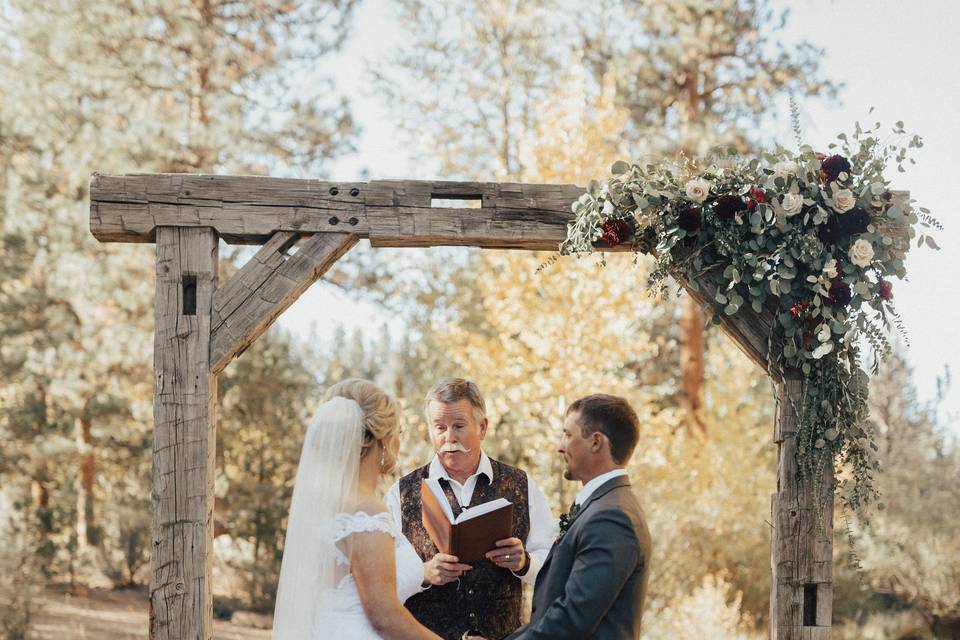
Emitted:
<point x="470" y="535"/>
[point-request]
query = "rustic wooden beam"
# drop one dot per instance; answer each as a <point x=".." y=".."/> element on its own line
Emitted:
<point x="184" y="409"/>
<point x="801" y="550"/>
<point x="749" y="330"/>
<point x="249" y="209"/>
<point x="248" y="303"/>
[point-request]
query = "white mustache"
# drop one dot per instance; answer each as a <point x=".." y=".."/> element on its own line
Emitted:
<point x="454" y="446"/>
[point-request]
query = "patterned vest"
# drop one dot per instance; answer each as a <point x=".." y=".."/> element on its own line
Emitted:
<point x="487" y="600"/>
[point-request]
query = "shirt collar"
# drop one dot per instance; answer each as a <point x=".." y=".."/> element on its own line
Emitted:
<point x="587" y="490"/>
<point x="437" y="471"/>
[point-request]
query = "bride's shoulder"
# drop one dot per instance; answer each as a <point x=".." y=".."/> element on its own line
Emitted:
<point x="370" y="514"/>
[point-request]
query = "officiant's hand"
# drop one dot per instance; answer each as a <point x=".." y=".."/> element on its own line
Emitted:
<point x="509" y="554"/>
<point x="443" y="568"/>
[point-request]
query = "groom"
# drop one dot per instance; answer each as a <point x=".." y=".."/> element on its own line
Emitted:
<point x="593" y="582"/>
<point x="485" y="598"/>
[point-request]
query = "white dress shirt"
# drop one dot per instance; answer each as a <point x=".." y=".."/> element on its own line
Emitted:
<point x="543" y="526"/>
<point x="587" y="490"/>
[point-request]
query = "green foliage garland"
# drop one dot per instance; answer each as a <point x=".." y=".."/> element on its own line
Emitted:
<point x="814" y="239"/>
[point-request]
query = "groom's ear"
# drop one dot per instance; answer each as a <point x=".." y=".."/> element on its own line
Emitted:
<point x="483" y="428"/>
<point x="596" y="441"/>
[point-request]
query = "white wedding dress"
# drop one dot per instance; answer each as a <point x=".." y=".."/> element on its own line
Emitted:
<point x="317" y="597"/>
<point x="342" y="616"/>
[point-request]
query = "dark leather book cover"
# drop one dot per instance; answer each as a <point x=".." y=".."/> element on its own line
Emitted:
<point x="469" y="539"/>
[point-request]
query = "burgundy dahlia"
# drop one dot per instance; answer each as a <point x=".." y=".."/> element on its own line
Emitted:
<point x="689" y="219"/>
<point x="728" y="206"/>
<point x="855" y="221"/>
<point x="616" y="231"/>
<point x="832" y="167"/>
<point x="830" y="232"/>
<point x="840" y="294"/>
<point x="886" y="290"/>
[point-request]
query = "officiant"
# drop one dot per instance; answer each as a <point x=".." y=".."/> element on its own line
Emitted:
<point x="484" y="598"/>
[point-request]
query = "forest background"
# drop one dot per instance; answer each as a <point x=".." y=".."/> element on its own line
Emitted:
<point x="535" y="91"/>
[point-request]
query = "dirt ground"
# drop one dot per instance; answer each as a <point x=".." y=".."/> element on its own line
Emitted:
<point x="114" y="615"/>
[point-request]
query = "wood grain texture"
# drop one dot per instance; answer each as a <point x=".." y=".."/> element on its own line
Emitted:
<point x="184" y="401"/>
<point x="266" y="286"/>
<point x="801" y="549"/>
<point x="249" y="209"/>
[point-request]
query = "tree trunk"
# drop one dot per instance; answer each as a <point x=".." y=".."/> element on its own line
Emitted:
<point x="692" y="345"/>
<point x="86" y="469"/>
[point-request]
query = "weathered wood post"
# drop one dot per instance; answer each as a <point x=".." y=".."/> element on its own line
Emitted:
<point x="184" y="410"/>
<point x="801" y="552"/>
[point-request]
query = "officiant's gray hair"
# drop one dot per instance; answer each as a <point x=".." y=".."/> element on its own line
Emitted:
<point x="451" y="390"/>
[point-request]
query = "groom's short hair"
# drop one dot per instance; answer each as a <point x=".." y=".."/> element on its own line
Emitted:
<point x="613" y="417"/>
<point x="451" y="390"/>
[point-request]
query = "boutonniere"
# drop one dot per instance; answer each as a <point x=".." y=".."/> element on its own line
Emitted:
<point x="566" y="519"/>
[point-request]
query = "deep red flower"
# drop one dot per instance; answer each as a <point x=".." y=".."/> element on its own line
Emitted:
<point x="886" y="290"/>
<point x="689" y="219"/>
<point x="831" y="232"/>
<point x="616" y="231"/>
<point x="758" y="195"/>
<point x="832" y="167"/>
<point x="840" y="294"/>
<point x="855" y="221"/>
<point x="728" y="206"/>
<point x="797" y="309"/>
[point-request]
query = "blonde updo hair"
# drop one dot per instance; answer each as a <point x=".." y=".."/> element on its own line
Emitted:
<point x="381" y="411"/>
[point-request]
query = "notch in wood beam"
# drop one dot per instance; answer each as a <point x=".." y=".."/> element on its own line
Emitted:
<point x="809" y="605"/>
<point x="290" y="247"/>
<point x="456" y="201"/>
<point x="189" y="295"/>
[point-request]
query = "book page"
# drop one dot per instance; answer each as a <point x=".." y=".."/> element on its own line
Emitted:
<point x="441" y="497"/>
<point x="480" y="509"/>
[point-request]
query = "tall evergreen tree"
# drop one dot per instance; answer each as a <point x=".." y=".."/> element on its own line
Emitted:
<point x="113" y="87"/>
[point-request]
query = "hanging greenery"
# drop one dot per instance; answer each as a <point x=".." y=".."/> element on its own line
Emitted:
<point x="816" y="239"/>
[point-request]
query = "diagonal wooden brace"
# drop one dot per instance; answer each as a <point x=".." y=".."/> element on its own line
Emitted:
<point x="248" y="303"/>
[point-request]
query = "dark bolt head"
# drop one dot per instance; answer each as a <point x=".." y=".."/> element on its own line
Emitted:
<point x="334" y="191"/>
<point x="334" y="220"/>
<point x="353" y="222"/>
<point x="354" y="192"/>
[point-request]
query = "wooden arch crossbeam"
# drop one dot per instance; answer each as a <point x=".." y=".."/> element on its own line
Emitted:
<point x="304" y="227"/>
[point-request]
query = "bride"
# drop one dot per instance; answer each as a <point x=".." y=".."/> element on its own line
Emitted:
<point x="347" y="567"/>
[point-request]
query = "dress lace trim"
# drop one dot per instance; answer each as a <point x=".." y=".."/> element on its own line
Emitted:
<point x="346" y="524"/>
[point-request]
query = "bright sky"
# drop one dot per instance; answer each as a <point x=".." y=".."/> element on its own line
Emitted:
<point x="895" y="56"/>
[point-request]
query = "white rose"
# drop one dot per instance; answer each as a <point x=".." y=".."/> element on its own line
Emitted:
<point x="608" y="208"/>
<point x="784" y="168"/>
<point x="792" y="203"/>
<point x="698" y="189"/>
<point x="823" y="333"/>
<point x="843" y="200"/>
<point x="861" y="253"/>
<point x="830" y="268"/>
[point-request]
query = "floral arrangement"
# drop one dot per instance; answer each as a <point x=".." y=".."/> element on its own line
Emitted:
<point x="815" y="239"/>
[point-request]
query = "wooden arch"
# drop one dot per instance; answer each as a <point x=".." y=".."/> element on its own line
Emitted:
<point x="202" y="325"/>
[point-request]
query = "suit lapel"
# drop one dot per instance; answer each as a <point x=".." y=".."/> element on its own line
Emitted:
<point x="605" y="488"/>
<point x="602" y="490"/>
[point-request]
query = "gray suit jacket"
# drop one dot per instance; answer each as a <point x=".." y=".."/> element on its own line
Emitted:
<point x="593" y="582"/>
